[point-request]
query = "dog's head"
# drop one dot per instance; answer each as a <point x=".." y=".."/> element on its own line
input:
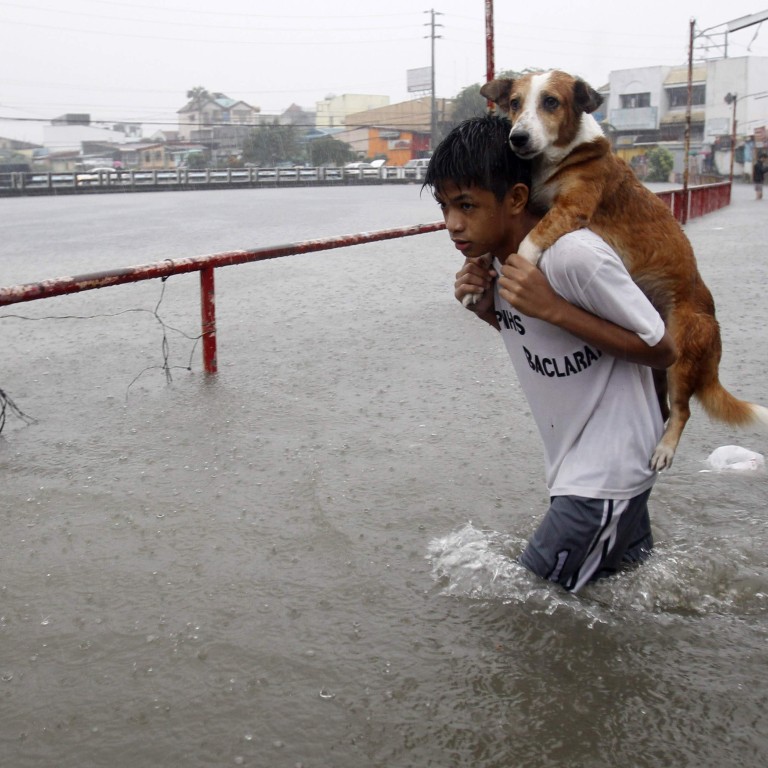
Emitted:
<point x="545" y="110"/>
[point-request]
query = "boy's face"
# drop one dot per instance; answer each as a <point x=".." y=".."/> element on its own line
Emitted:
<point x="477" y="221"/>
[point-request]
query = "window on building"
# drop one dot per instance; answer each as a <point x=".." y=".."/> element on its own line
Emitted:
<point x="676" y="132"/>
<point x="635" y="100"/>
<point x="678" y="96"/>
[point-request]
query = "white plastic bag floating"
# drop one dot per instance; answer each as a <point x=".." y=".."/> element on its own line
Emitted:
<point x="735" y="457"/>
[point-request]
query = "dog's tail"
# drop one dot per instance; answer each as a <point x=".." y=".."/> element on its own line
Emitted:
<point x="720" y="404"/>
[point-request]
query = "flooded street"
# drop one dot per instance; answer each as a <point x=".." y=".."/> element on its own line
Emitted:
<point x="308" y="559"/>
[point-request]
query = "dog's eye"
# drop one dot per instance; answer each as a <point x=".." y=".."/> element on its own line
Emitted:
<point x="514" y="105"/>
<point x="550" y="102"/>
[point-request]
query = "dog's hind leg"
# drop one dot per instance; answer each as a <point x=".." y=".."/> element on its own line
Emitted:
<point x="683" y="378"/>
<point x="697" y="340"/>
<point x="680" y="412"/>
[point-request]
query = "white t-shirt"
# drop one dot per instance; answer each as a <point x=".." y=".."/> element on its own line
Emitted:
<point x="598" y="416"/>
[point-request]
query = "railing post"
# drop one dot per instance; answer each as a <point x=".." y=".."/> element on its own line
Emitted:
<point x="208" y="314"/>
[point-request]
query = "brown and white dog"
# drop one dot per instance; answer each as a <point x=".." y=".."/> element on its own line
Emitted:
<point x="582" y="184"/>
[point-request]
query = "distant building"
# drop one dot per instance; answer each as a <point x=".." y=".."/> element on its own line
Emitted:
<point x="14" y="145"/>
<point x="218" y="122"/>
<point x="68" y="132"/>
<point x="298" y="116"/>
<point x="398" y="132"/>
<point x="14" y="152"/>
<point x="63" y="162"/>
<point x="166" y="136"/>
<point x="215" y="117"/>
<point x="146" y="156"/>
<point x="72" y="118"/>
<point x="647" y="106"/>
<point x="332" y="111"/>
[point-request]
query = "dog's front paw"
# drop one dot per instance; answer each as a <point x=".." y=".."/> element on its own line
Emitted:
<point x="529" y="250"/>
<point x="472" y="298"/>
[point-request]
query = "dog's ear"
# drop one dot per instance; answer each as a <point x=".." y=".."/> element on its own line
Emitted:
<point x="498" y="91"/>
<point x="587" y="99"/>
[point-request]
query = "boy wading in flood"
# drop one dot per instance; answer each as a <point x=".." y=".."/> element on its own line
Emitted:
<point x="582" y="338"/>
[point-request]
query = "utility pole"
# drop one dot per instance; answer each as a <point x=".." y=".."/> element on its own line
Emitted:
<point x="433" y="36"/>
<point x="732" y="98"/>
<point x="688" y="105"/>
<point x="490" y="62"/>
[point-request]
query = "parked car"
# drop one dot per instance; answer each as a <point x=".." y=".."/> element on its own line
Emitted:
<point x="98" y="176"/>
<point x="333" y="174"/>
<point x="361" y="169"/>
<point x="415" y="169"/>
<point x="356" y="169"/>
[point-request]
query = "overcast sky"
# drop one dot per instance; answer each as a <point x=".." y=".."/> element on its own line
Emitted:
<point x="136" y="59"/>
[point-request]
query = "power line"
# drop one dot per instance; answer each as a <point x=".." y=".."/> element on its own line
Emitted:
<point x="269" y="121"/>
<point x="180" y="22"/>
<point x="220" y="12"/>
<point x="316" y="41"/>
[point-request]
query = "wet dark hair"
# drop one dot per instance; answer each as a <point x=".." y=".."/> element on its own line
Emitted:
<point x="476" y="153"/>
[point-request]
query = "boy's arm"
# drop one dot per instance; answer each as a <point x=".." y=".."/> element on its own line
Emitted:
<point x="525" y="287"/>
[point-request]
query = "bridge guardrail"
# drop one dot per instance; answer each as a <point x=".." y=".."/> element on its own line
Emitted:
<point x="115" y="180"/>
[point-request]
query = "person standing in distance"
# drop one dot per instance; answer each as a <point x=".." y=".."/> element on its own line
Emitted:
<point x="758" y="174"/>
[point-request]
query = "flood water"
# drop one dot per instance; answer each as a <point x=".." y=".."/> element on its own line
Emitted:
<point x="308" y="559"/>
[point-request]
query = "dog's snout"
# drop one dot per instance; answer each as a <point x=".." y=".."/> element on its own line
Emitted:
<point x="519" y="138"/>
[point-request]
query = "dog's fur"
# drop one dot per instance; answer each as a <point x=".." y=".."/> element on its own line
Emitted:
<point x="582" y="184"/>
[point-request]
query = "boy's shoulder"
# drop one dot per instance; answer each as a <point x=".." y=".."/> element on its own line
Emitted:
<point x="580" y="252"/>
<point x="583" y="240"/>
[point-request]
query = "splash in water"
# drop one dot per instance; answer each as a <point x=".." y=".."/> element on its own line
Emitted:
<point x="679" y="578"/>
<point x="482" y="564"/>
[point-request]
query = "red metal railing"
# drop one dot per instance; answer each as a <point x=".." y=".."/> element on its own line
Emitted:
<point x="701" y="200"/>
<point x="205" y="265"/>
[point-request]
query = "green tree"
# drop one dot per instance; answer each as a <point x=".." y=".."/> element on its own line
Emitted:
<point x="271" y="144"/>
<point x="198" y="95"/>
<point x="328" y="151"/>
<point x="468" y="103"/>
<point x="660" y="164"/>
<point x="196" y="161"/>
<point x="11" y="157"/>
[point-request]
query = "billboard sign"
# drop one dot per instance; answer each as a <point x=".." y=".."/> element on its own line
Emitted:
<point x="419" y="79"/>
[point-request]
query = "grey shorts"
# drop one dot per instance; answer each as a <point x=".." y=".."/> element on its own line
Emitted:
<point x="581" y="540"/>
